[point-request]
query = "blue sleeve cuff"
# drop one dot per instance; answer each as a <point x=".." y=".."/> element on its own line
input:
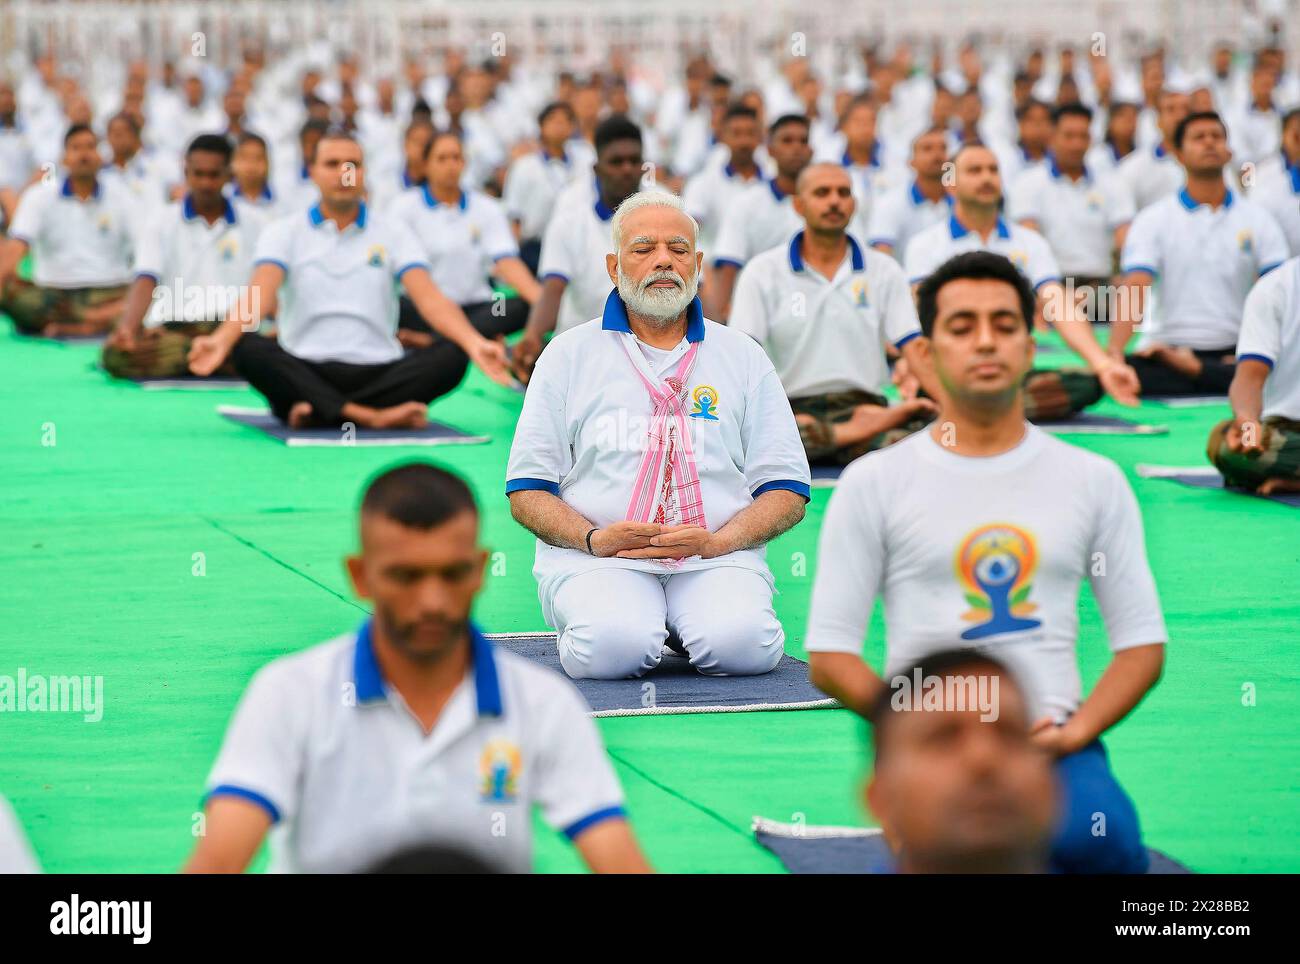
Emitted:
<point x="888" y="242"/>
<point x="507" y="254"/>
<point x="529" y="485"/>
<point x="1269" y="267"/>
<point x="148" y="274"/>
<point x="554" y="274"/>
<point x="1140" y="268"/>
<point x="20" y="237"/>
<point x="573" y="830"/>
<point x="905" y="339"/>
<point x="407" y="267"/>
<point x="790" y="485"/>
<point x="720" y="262"/>
<point x="230" y="790"/>
<point x="279" y="264"/>
<point x="1251" y="356"/>
<point x="1047" y="281"/>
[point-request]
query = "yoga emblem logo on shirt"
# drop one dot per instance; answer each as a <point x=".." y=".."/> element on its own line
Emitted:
<point x="859" y="292"/>
<point x="228" y="248"/>
<point x="1245" y="240"/>
<point x="706" y="398"/>
<point x="375" y="257"/>
<point x="996" y="565"/>
<point x="499" y="768"/>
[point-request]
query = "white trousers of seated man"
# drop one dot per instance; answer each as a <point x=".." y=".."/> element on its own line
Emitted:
<point x="612" y="623"/>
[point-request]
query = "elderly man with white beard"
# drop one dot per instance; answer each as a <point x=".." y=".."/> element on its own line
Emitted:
<point x="655" y="458"/>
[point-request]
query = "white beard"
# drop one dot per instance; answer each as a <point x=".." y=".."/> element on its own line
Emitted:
<point x="661" y="306"/>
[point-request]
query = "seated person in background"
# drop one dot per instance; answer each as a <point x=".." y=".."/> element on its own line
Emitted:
<point x="415" y="729"/>
<point x="330" y="271"/>
<point x="907" y="209"/>
<point x="979" y="531"/>
<point x="1259" y="447"/>
<point x="1189" y="261"/>
<point x="536" y="178"/>
<point x="976" y="224"/>
<point x="1082" y="214"/>
<point x="192" y="264"/>
<point x="961" y="788"/>
<point x="81" y="233"/>
<point x="824" y="308"/>
<point x="250" y="167"/>
<point x="655" y="457"/>
<point x="465" y="237"/>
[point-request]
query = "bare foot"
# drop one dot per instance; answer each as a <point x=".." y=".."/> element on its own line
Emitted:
<point x="300" y="415"/>
<point x="1181" y="360"/>
<point x="1271" y="486"/>
<point x="406" y="415"/>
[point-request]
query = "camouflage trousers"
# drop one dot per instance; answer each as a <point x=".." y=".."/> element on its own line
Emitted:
<point x="1279" y="458"/>
<point x="33" y="307"/>
<point x="1051" y="395"/>
<point x="160" y="352"/>
<point x="834" y="407"/>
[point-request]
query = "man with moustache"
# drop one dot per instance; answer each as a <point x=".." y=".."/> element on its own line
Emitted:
<point x="414" y="730"/>
<point x="655" y="457"/>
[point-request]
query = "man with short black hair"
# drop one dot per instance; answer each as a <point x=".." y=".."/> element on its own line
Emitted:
<point x="535" y="179"/>
<point x="980" y="531"/>
<point x="192" y="263"/>
<point x="331" y="272"/>
<point x="763" y="216"/>
<point x="415" y="729"/>
<point x="714" y="190"/>
<point x="81" y="232"/>
<point x="1189" y="261"/>
<point x="571" y="268"/>
<point x="961" y="787"/>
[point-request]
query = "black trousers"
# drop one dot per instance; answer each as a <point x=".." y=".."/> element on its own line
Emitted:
<point x="513" y="315"/>
<point x="1214" y="379"/>
<point x="419" y="376"/>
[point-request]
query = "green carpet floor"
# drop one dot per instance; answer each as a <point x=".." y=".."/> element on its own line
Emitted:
<point x="98" y="540"/>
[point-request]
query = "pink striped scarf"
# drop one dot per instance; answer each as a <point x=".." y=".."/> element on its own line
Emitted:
<point x="667" y="489"/>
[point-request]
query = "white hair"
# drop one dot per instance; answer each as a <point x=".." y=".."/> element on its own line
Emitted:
<point x="655" y="197"/>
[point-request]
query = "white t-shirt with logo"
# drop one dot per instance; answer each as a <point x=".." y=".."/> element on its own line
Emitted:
<point x="987" y="554"/>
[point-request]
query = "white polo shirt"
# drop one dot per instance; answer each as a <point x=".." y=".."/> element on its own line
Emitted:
<point x="1270" y="333"/>
<point x="532" y="184"/>
<point x="986" y="553"/>
<point x="1280" y="197"/>
<point x="1025" y="248"/>
<point x="17" y="161"/>
<point x="346" y="772"/>
<point x="268" y="202"/>
<point x="573" y="250"/>
<point x="710" y="194"/>
<point x="338" y="300"/>
<point x="582" y="433"/>
<point x="760" y="218"/>
<point x="1077" y="218"/>
<point x="461" y="241"/>
<point x="199" y="268"/>
<point x="1203" y="261"/>
<point x="75" y="243"/>
<point x="1150" y="174"/>
<point x="825" y="335"/>
<point x="899" y="215"/>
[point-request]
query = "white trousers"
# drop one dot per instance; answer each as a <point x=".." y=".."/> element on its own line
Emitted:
<point x="612" y="623"/>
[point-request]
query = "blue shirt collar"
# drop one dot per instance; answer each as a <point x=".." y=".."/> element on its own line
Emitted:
<point x="303" y="173"/>
<point x="369" y="680"/>
<point x="1191" y="205"/>
<point x="433" y="202"/>
<point x="872" y="161"/>
<point x="66" y="189"/>
<point x="1161" y="153"/>
<point x="265" y="195"/>
<point x="318" y="217"/>
<point x="776" y="191"/>
<point x="603" y="210"/>
<point x="1294" y="171"/>
<point x="958" y="230"/>
<point x="188" y="212"/>
<point x="615" y="317"/>
<point x="1056" y="170"/>
<point x="856" y="256"/>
